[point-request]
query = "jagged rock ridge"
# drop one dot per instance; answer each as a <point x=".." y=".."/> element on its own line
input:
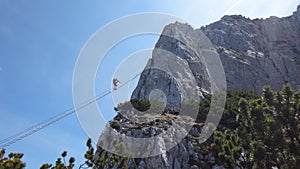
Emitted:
<point x="254" y="53"/>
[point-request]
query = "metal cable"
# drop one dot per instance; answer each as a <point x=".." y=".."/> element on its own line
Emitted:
<point x="37" y="127"/>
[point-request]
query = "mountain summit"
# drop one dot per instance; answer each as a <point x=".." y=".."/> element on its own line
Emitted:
<point x="254" y="53"/>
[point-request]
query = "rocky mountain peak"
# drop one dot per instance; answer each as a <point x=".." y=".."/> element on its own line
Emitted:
<point x="297" y="13"/>
<point x="234" y="18"/>
<point x="298" y="9"/>
<point x="254" y="53"/>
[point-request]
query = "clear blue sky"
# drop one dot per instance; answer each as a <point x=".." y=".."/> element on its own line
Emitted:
<point x="39" y="45"/>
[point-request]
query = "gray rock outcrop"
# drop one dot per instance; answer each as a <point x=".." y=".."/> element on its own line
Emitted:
<point x="254" y="53"/>
<point x="188" y="153"/>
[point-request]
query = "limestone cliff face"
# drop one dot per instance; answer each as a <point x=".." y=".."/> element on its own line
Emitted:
<point x="254" y="53"/>
<point x="176" y="67"/>
<point x="189" y="153"/>
<point x="258" y="52"/>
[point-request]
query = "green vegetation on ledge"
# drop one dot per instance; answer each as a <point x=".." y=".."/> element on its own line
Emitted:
<point x="256" y="131"/>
